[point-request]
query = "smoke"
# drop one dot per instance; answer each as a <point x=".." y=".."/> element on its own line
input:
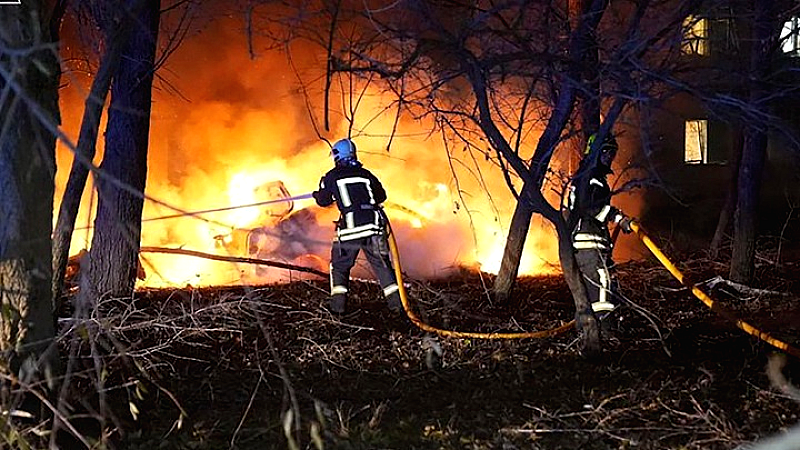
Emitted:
<point x="224" y="124"/>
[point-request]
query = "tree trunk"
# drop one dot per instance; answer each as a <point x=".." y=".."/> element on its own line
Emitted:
<point x="515" y="243"/>
<point x="113" y="257"/>
<point x="29" y="111"/>
<point x="87" y="140"/>
<point x="755" y="148"/>
<point x="745" y="223"/>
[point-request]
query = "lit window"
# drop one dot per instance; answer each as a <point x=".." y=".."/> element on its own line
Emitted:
<point x="695" y="36"/>
<point x="696" y="146"/>
<point x="790" y="36"/>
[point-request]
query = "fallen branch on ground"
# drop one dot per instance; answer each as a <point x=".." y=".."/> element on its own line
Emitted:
<point x="233" y="259"/>
<point x="740" y="288"/>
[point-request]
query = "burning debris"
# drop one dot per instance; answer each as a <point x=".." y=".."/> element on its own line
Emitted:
<point x="288" y="240"/>
<point x="280" y="234"/>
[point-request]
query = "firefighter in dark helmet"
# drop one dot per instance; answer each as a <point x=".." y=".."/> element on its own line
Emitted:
<point x="589" y="198"/>
<point x="358" y="195"/>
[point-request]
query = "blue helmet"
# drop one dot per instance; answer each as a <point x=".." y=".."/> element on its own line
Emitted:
<point x="344" y="150"/>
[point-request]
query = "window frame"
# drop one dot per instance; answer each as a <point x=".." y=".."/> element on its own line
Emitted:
<point x="702" y="142"/>
<point x="695" y="35"/>
<point x="790" y="36"/>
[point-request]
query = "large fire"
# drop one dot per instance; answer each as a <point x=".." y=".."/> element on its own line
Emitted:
<point x="238" y="133"/>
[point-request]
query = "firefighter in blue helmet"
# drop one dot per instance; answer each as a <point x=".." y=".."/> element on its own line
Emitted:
<point x="589" y="198"/>
<point x="361" y="226"/>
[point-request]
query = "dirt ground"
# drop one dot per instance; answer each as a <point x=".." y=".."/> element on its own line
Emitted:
<point x="269" y="367"/>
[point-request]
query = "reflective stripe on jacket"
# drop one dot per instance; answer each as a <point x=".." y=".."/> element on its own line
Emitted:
<point x="591" y="230"/>
<point x="358" y="195"/>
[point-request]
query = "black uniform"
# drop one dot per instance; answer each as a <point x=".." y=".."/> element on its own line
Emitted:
<point x="361" y="226"/>
<point x="590" y="197"/>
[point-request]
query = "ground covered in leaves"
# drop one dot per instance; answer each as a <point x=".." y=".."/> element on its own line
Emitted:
<point x="269" y="367"/>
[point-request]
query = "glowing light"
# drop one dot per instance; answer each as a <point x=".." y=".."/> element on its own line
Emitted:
<point x="242" y="191"/>
<point x="213" y="153"/>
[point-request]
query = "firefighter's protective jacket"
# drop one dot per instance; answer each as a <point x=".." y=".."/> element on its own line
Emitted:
<point x="358" y="195"/>
<point x="590" y="198"/>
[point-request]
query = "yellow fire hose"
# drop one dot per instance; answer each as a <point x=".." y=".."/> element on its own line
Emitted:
<point x="716" y="307"/>
<point x="457" y="334"/>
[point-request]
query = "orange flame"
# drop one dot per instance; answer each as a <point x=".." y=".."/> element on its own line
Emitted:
<point x="245" y="125"/>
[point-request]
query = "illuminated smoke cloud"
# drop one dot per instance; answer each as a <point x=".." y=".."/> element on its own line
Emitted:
<point x="236" y="124"/>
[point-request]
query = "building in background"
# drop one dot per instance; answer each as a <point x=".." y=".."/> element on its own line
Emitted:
<point x="694" y="138"/>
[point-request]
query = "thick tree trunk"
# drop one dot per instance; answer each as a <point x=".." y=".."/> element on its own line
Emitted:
<point x="113" y="257"/>
<point x="87" y="140"/>
<point x="755" y="148"/>
<point x="745" y="219"/>
<point x="29" y="113"/>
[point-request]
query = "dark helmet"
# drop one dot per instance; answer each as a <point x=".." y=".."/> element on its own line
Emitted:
<point x="344" y="150"/>
<point x="608" y="149"/>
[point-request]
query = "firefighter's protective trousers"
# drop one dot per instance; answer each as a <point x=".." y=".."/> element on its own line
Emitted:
<point x="595" y="266"/>
<point x="343" y="257"/>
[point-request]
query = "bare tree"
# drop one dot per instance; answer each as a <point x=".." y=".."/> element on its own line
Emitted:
<point x="759" y="78"/>
<point x="765" y="40"/>
<point x="741" y="87"/>
<point x="113" y="257"/>
<point x="510" y="74"/>
<point x="29" y="75"/>
<point x="587" y="97"/>
<point x="118" y="28"/>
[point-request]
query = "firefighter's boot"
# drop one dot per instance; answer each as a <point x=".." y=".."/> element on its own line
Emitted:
<point x="337" y="303"/>
<point x="392" y="295"/>
<point x="394" y="303"/>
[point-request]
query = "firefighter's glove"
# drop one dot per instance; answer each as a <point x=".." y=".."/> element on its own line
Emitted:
<point x="625" y="224"/>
